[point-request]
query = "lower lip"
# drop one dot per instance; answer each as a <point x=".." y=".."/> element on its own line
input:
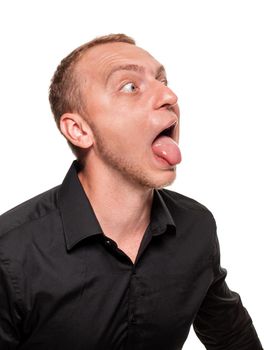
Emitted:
<point x="162" y="162"/>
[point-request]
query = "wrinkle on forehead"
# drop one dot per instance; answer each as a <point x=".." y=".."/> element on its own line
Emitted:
<point x="99" y="60"/>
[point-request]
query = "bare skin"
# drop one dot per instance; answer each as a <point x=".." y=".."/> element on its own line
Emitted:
<point x="127" y="103"/>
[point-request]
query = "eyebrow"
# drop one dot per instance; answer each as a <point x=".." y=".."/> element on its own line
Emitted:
<point x="135" y="68"/>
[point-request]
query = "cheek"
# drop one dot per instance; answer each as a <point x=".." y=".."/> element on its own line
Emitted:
<point x="123" y="138"/>
<point x="119" y="123"/>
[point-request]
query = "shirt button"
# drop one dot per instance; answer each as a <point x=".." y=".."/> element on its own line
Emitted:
<point x="133" y="319"/>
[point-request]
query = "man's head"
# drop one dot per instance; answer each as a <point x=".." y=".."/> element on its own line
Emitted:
<point x="110" y="100"/>
<point x="65" y="91"/>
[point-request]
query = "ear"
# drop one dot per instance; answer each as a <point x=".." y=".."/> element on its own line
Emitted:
<point x="76" y="130"/>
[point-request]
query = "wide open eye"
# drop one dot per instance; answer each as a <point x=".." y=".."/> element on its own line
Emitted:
<point x="164" y="81"/>
<point x="129" y="87"/>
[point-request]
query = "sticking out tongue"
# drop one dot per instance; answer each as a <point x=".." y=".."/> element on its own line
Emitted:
<point x="165" y="147"/>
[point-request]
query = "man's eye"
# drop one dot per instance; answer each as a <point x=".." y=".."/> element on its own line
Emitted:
<point x="165" y="82"/>
<point x="129" y="87"/>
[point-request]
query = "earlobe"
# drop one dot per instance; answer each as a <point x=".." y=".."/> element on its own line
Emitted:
<point x="76" y="130"/>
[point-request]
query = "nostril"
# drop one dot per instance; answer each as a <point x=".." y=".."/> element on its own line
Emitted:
<point x="167" y="106"/>
<point x="165" y="99"/>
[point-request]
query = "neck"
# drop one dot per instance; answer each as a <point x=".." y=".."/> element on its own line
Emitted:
<point x="121" y="206"/>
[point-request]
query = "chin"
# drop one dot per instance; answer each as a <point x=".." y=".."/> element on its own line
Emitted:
<point x="161" y="181"/>
<point x="166" y="181"/>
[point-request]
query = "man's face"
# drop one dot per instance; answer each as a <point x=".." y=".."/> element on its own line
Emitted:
<point x="128" y="104"/>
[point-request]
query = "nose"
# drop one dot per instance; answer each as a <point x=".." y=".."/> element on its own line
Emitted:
<point x="164" y="97"/>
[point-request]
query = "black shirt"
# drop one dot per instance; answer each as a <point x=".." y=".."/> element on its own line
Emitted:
<point x="65" y="285"/>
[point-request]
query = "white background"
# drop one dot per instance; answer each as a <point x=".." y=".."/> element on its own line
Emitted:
<point x="213" y="52"/>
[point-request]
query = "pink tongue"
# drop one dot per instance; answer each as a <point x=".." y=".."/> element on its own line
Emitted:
<point x="166" y="148"/>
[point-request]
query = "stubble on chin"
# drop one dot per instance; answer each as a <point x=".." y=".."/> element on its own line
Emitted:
<point x="128" y="169"/>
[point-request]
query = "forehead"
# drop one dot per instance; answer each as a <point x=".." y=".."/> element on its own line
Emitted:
<point x="98" y="61"/>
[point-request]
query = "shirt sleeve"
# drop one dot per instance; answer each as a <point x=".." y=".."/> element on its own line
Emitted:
<point x="9" y="317"/>
<point x="222" y="322"/>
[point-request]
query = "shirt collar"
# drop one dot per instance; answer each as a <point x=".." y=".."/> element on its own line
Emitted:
<point x="79" y="220"/>
<point x="161" y="218"/>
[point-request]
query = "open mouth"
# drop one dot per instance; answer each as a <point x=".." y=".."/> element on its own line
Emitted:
<point x="165" y="147"/>
<point x="170" y="132"/>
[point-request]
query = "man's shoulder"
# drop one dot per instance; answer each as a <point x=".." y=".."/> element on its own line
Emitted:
<point x="182" y="200"/>
<point x="31" y="210"/>
<point x="188" y="212"/>
<point x="175" y="200"/>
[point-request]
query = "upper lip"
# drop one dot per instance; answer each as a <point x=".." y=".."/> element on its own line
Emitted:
<point x="169" y="127"/>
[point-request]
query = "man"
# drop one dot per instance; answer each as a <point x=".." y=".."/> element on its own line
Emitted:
<point x="110" y="259"/>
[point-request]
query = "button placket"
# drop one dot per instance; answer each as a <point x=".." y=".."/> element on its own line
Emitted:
<point x="132" y="304"/>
